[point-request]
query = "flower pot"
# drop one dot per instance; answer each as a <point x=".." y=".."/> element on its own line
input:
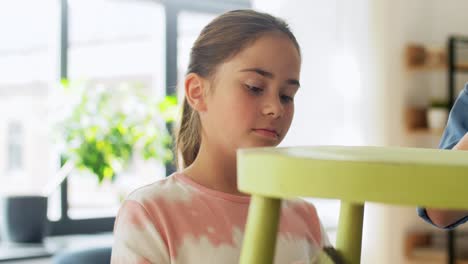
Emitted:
<point x="24" y="218"/>
<point x="437" y="118"/>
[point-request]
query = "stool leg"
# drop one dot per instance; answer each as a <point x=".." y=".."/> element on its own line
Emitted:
<point x="349" y="236"/>
<point x="259" y="242"/>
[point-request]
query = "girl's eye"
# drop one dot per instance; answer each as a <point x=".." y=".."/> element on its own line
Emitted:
<point x="254" y="89"/>
<point x="286" y="99"/>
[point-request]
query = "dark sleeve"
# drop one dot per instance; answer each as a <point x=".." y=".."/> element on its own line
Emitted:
<point x="457" y="124"/>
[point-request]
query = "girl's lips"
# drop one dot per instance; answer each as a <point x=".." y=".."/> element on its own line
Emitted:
<point x="267" y="133"/>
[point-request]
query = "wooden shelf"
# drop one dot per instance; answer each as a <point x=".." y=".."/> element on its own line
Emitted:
<point x="418" y="250"/>
<point x="417" y="68"/>
<point x="437" y="67"/>
<point x="462" y="67"/>
<point x="425" y="131"/>
<point x="421" y="58"/>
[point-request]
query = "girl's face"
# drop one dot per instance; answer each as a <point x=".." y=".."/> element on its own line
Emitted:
<point x="251" y="103"/>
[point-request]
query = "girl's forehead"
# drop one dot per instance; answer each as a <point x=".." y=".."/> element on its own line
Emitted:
<point x="270" y="43"/>
<point x="273" y="54"/>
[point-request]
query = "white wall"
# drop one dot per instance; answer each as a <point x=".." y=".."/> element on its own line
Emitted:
<point x="336" y="103"/>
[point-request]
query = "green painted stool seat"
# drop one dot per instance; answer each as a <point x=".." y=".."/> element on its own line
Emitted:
<point x="354" y="175"/>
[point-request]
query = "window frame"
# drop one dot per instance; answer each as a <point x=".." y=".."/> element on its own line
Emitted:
<point x="15" y="159"/>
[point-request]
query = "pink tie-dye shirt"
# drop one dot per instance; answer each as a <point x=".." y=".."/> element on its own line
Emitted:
<point x="178" y="221"/>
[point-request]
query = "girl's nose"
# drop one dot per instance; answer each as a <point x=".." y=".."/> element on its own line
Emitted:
<point x="273" y="107"/>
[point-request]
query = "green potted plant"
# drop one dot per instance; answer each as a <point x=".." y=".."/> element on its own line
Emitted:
<point x="105" y="127"/>
<point x="437" y="114"/>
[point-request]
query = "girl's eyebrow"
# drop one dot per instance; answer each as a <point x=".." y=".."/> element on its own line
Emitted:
<point x="270" y="75"/>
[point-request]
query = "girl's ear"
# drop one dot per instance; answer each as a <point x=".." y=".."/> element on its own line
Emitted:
<point x="195" y="92"/>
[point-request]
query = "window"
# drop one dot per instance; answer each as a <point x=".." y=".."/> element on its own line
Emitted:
<point x="15" y="146"/>
<point x="189" y="26"/>
<point x="28" y="62"/>
<point x="115" y="43"/>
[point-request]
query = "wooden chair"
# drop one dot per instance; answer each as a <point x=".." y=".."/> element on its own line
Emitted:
<point x="354" y="175"/>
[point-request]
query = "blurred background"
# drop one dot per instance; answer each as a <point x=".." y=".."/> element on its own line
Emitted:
<point x="375" y="72"/>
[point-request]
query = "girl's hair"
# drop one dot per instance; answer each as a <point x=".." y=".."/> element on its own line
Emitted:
<point x="220" y="40"/>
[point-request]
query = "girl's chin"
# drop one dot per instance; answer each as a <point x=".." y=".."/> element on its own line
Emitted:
<point x="261" y="144"/>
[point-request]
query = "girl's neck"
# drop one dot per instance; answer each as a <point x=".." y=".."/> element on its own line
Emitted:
<point x="215" y="170"/>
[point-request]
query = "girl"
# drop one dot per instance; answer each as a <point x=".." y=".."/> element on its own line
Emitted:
<point x="239" y="93"/>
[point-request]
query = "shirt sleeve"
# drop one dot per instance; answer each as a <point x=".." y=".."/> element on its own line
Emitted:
<point x="136" y="238"/>
<point x="457" y="127"/>
<point x="457" y="124"/>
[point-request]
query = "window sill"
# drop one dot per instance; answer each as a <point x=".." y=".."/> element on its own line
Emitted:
<point x="53" y="245"/>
